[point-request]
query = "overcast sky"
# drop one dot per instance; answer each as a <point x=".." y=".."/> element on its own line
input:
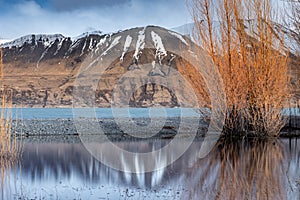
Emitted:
<point x="73" y="17"/>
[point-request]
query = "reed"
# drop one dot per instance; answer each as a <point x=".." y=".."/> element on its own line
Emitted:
<point x="10" y="145"/>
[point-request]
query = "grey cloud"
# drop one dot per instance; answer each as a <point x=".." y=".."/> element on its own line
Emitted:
<point x="69" y="5"/>
<point x="74" y="20"/>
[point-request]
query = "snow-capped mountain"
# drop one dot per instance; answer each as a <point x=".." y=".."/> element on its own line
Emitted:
<point x="45" y="40"/>
<point x="49" y="64"/>
<point x="186" y="29"/>
<point x="41" y="69"/>
<point x="86" y="34"/>
<point x="2" y="41"/>
<point x="251" y="29"/>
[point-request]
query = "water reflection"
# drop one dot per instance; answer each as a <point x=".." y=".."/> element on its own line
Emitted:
<point x="267" y="169"/>
<point x="240" y="170"/>
<point x="8" y="175"/>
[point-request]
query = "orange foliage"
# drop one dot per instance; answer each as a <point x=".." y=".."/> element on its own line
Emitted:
<point x="251" y="59"/>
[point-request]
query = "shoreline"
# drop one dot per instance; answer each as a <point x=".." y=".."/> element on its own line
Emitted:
<point x="67" y="128"/>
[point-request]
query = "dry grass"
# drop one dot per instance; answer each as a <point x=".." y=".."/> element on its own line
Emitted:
<point x="10" y="146"/>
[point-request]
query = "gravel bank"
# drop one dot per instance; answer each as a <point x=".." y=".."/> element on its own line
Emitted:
<point x="66" y="127"/>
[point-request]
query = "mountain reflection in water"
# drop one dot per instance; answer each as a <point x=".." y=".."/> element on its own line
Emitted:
<point x="268" y="169"/>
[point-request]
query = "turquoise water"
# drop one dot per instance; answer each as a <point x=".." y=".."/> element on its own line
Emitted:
<point x="65" y="113"/>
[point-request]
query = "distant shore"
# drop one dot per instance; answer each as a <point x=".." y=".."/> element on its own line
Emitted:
<point x="67" y="128"/>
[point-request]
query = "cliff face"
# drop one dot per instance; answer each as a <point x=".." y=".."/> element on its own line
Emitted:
<point x="40" y="70"/>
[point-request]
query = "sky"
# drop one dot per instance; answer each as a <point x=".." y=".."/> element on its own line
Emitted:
<point x="74" y="17"/>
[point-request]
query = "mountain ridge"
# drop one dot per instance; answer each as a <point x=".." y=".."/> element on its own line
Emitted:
<point x="41" y="69"/>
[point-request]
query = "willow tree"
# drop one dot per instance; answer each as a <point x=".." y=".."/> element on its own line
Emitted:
<point x="248" y="49"/>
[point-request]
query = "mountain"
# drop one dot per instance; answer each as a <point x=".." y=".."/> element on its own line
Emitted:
<point x="290" y="35"/>
<point x="186" y="29"/>
<point x="45" y="40"/>
<point x="2" y="41"/>
<point x="40" y="70"/>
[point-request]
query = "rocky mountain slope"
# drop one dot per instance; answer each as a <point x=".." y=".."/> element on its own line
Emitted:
<point x="40" y="70"/>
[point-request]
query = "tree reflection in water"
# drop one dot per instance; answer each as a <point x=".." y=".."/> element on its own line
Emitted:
<point x="252" y="169"/>
<point x="240" y="170"/>
<point x="9" y="174"/>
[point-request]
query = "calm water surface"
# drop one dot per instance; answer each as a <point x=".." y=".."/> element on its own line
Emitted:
<point x="240" y="170"/>
<point x="65" y="113"/>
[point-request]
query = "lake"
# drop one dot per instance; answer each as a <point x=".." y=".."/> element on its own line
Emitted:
<point x="53" y="168"/>
<point x="66" y="113"/>
<point x="60" y="167"/>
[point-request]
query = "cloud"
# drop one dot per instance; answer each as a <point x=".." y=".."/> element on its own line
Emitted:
<point x="27" y="17"/>
<point x="29" y="8"/>
<point x="69" y="5"/>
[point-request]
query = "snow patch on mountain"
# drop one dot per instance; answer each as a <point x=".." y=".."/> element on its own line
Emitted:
<point x="160" y="49"/>
<point x="3" y="41"/>
<point x="82" y="50"/>
<point x="178" y="36"/>
<point x="140" y="44"/>
<point x="114" y="43"/>
<point x="91" y="44"/>
<point x="43" y="55"/>
<point x="73" y="46"/>
<point x="251" y="28"/>
<point x="100" y="43"/>
<point x="46" y="40"/>
<point x="86" y="34"/>
<point x="126" y="46"/>
<point x="59" y="45"/>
